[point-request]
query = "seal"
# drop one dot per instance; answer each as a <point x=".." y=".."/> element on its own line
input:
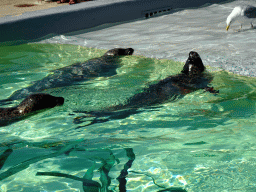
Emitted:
<point x="172" y="88"/>
<point x="102" y="66"/>
<point x="30" y="105"/>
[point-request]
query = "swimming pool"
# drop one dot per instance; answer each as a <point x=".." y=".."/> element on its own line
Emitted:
<point x="201" y="142"/>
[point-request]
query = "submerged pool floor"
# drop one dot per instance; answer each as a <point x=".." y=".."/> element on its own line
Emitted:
<point x="200" y="142"/>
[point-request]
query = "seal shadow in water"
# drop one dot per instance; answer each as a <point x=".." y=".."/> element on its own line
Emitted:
<point x="172" y="88"/>
<point x="31" y="105"/>
<point x="4" y="156"/>
<point x="73" y="74"/>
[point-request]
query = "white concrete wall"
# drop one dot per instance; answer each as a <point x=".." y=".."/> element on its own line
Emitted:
<point x="70" y="18"/>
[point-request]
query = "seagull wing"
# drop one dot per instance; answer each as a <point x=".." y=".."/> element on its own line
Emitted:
<point x="250" y="12"/>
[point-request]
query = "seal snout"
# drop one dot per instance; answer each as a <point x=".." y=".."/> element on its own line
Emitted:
<point x="119" y="52"/>
<point x="193" y="56"/>
<point x="194" y="65"/>
<point x="59" y="101"/>
<point x="31" y="104"/>
<point x="129" y="51"/>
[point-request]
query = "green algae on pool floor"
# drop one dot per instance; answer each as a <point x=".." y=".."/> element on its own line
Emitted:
<point x="180" y="143"/>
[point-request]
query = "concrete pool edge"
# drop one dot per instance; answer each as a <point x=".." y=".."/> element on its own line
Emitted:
<point x="66" y="19"/>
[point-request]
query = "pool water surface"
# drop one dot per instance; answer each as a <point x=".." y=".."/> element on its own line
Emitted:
<point x="200" y="142"/>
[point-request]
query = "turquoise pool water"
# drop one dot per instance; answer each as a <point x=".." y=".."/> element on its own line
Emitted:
<point x="201" y="142"/>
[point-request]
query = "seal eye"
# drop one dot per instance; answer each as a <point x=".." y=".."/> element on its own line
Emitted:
<point x="193" y="55"/>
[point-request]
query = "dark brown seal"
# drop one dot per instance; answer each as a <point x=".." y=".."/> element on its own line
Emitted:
<point x="172" y="88"/>
<point x="73" y="74"/>
<point x="31" y="105"/>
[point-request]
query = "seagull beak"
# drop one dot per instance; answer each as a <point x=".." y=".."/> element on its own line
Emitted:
<point x="227" y="27"/>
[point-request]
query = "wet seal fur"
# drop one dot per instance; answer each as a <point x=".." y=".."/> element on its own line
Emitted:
<point x="172" y="88"/>
<point x="29" y="106"/>
<point x="97" y="67"/>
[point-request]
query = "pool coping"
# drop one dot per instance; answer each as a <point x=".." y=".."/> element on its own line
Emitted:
<point x="70" y="18"/>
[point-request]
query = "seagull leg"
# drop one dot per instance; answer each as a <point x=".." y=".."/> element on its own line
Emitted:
<point x="240" y="29"/>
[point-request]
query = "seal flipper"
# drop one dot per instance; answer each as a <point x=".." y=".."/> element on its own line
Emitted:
<point x="5" y="102"/>
<point x="103" y="116"/>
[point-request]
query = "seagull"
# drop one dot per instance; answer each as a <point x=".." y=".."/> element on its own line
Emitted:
<point x="243" y="14"/>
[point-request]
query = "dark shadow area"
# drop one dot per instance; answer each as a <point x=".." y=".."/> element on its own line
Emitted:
<point x="4" y="156"/>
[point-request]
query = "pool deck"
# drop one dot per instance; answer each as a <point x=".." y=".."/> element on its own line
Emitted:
<point x="9" y="7"/>
<point x="43" y="20"/>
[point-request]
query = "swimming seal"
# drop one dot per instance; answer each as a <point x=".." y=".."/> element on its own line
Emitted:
<point x="172" y="88"/>
<point x="102" y="66"/>
<point x="31" y="105"/>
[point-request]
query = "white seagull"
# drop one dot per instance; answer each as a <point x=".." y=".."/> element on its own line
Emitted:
<point x="245" y="14"/>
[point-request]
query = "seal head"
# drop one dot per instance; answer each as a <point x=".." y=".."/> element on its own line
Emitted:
<point x="29" y="106"/>
<point x="119" y="52"/>
<point x="36" y="102"/>
<point x="194" y="65"/>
